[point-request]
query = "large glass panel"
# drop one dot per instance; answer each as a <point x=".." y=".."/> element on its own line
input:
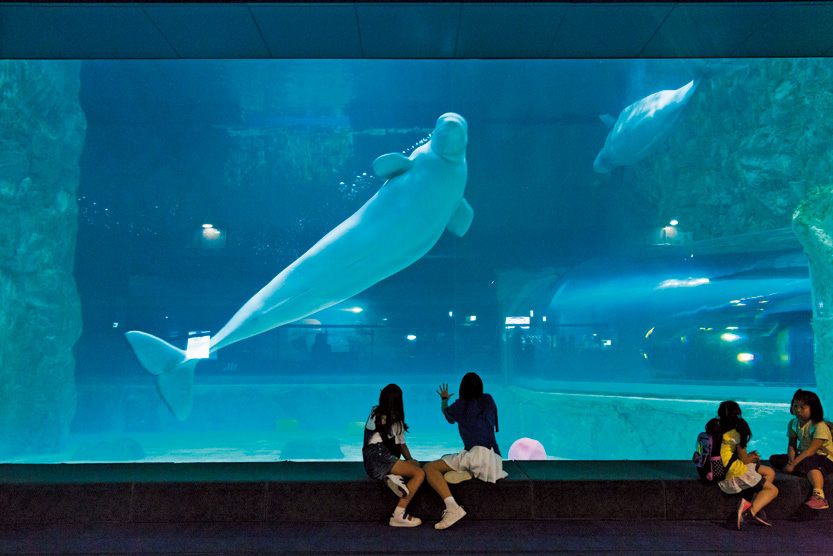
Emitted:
<point x="630" y="261"/>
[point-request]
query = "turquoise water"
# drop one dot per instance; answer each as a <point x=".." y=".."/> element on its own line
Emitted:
<point x="614" y="285"/>
<point x="577" y="421"/>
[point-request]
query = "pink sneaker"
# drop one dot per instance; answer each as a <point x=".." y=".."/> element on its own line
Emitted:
<point x="743" y="508"/>
<point x="816" y="502"/>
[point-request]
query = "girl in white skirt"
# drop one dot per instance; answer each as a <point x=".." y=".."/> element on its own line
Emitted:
<point x="476" y="416"/>
<point x="744" y="473"/>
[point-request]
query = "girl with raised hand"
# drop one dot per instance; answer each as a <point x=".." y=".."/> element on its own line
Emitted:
<point x="476" y="416"/>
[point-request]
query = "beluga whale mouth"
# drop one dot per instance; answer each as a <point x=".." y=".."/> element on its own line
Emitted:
<point x="450" y="136"/>
<point x="420" y="199"/>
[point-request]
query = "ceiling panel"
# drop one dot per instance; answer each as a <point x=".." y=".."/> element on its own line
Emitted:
<point x="309" y="30"/>
<point x="800" y="29"/>
<point x="96" y="31"/>
<point x="408" y="30"/>
<point x="194" y="30"/>
<point x="706" y="30"/>
<point x="416" y="30"/>
<point x="20" y="29"/>
<point x="507" y="30"/>
<point x="607" y="30"/>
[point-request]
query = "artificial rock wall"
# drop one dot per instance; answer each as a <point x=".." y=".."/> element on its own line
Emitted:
<point x="813" y="224"/>
<point x="42" y="131"/>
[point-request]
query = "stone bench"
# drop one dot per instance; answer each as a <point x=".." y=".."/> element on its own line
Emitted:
<point x="340" y="491"/>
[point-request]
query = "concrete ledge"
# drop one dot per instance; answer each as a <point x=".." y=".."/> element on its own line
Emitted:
<point x="325" y="491"/>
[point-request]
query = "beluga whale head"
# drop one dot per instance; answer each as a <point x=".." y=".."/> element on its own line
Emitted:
<point x="450" y="136"/>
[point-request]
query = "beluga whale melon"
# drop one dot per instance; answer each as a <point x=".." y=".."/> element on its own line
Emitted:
<point x="641" y="126"/>
<point x="422" y="197"/>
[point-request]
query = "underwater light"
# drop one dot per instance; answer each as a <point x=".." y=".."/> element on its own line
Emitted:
<point x="746" y="357"/>
<point x="687" y="283"/>
<point x="211" y="233"/>
<point x="731" y="328"/>
<point x="206" y="226"/>
<point x="115" y="325"/>
<point x="516" y="321"/>
<point x="411" y="337"/>
<point x="355" y="310"/>
<point x="544" y="318"/>
<point x="729" y="337"/>
<point x="531" y="313"/>
<point x="673" y="222"/>
<point x="450" y="314"/>
<point x="471" y="318"/>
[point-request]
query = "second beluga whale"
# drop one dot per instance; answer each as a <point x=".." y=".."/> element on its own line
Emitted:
<point x="641" y="126"/>
<point x="422" y="197"/>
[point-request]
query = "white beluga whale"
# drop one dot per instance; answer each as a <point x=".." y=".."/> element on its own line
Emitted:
<point x="422" y="197"/>
<point x="641" y="126"/>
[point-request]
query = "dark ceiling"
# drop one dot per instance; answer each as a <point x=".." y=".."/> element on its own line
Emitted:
<point x="152" y="30"/>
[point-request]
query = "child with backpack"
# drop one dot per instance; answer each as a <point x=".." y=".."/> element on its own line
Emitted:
<point x="810" y="446"/>
<point x="735" y="470"/>
<point x="384" y="445"/>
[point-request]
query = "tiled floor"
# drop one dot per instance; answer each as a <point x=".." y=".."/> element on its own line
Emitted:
<point x="472" y="537"/>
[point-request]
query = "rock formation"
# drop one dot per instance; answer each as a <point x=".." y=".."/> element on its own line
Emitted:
<point x="43" y="130"/>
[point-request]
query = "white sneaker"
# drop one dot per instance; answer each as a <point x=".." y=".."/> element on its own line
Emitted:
<point x="455" y="477"/>
<point x="404" y="521"/>
<point x="397" y="484"/>
<point x="450" y="517"/>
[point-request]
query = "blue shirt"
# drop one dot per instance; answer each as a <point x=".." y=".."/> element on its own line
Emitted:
<point x="476" y="420"/>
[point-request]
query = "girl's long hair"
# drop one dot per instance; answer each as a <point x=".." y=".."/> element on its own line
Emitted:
<point x="729" y="414"/>
<point x="391" y="408"/>
<point x="471" y="386"/>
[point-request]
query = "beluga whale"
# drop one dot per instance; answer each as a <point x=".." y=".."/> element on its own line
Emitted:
<point x="420" y="199"/>
<point x="641" y="126"/>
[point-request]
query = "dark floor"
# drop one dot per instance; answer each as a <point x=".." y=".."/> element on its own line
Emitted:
<point x="472" y="537"/>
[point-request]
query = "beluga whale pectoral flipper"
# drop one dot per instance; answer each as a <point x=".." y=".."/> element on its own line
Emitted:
<point x="641" y="126"/>
<point x="422" y="197"/>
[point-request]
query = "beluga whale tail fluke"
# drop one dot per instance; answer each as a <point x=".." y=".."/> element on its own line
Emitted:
<point x="174" y="371"/>
<point x="422" y="198"/>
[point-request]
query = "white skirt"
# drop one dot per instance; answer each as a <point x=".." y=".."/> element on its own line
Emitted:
<point x="482" y="463"/>
<point x="736" y="484"/>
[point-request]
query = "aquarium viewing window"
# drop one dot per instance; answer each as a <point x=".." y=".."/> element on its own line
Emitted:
<point x="616" y="243"/>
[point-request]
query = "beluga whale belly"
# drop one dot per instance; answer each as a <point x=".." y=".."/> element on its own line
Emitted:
<point x="641" y="126"/>
<point x="422" y="197"/>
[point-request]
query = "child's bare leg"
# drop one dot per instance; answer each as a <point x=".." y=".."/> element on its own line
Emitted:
<point x="413" y="474"/>
<point x="816" y="479"/>
<point x="764" y="497"/>
<point x="768" y="473"/>
<point x="434" y="472"/>
<point x="769" y="491"/>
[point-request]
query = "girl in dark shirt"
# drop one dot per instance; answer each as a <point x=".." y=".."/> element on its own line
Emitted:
<point x="476" y="416"/>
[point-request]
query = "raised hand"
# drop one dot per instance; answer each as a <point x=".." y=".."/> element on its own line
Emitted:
<point x="443" y="392"/>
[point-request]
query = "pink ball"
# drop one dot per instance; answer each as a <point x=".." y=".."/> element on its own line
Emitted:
<point x="527" y="449"/>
